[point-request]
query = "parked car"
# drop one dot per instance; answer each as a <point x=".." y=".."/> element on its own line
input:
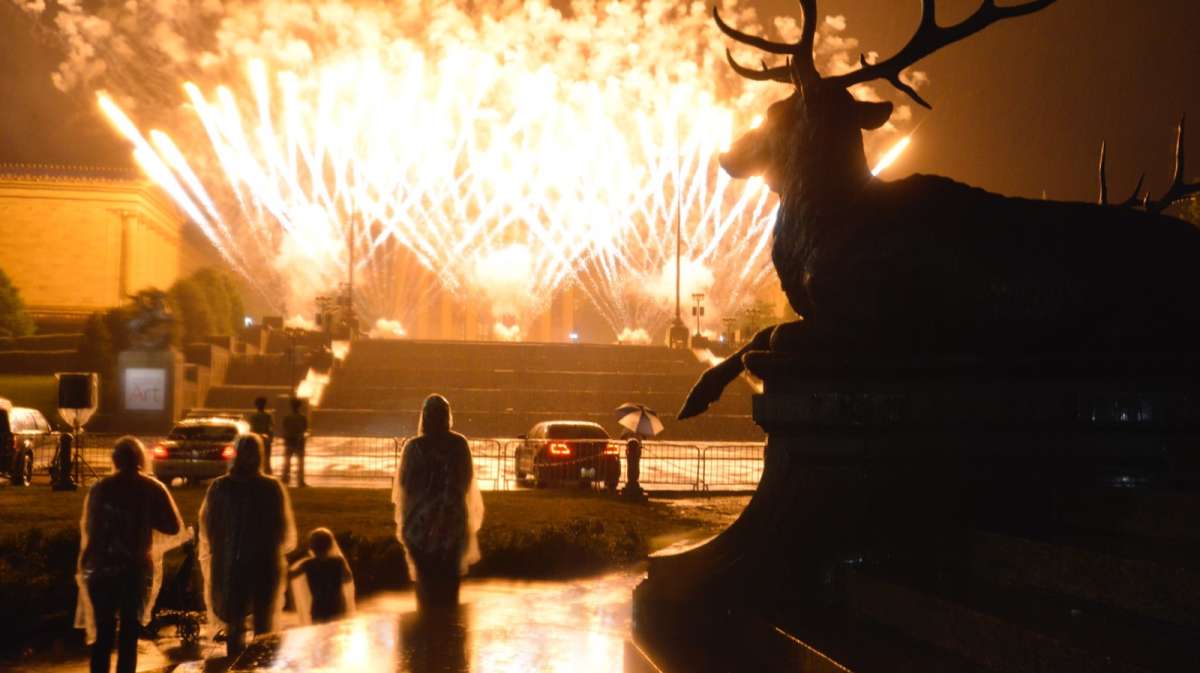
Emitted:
<point x="27" y="442"/>
<point x="197" y="449"/>
<point x="557" y="452"/>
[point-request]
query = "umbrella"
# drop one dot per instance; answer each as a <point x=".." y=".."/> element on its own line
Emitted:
<point x="637" y="418"/>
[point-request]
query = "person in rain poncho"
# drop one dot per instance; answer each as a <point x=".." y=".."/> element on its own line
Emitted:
<point x="129" y="521"/>
<point x="246" y="528"/>
<point x="438" y="506"/>
<point x="322" y="583"/>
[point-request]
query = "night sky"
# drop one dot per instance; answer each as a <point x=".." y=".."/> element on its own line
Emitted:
<point x="1019" y="109"/>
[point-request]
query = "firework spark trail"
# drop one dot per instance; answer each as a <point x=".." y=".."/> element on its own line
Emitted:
<point x="507" y="151"/>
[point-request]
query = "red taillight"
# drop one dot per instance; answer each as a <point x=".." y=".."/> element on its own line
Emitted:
<point x="227" y="452"/>
<point x="159" y="451"/>
<point x="560" y="449"/>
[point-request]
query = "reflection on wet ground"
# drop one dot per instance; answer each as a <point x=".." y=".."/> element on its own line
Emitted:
<point x="501" y="627"/>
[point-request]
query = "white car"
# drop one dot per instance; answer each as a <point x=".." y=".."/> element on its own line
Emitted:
<point x="197" y="449"/>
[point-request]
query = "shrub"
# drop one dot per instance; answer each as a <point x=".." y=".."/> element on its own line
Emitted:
<point x="13" y="319"/>
<point x="192" y="310"/>
<point x="96" y="354"/>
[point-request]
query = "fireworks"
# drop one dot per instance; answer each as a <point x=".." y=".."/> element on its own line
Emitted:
<point x="892" y="155"/>
<point x="506" y="152"/>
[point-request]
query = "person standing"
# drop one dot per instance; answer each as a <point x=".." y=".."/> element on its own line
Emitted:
<point x="438" y="507"/>
<point x="129" y="521"/>
<point x="246" y="529"/>
<point x="295" y="429"/>
<point x="263" y="425"/>
<point x="322" y="583"/>
<point x="633" y="467"/>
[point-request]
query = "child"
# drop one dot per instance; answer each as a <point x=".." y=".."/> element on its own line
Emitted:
<point x="321" y="582"/>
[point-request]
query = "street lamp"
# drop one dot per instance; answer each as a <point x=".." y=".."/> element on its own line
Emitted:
<point x="727" y="336"/>
<point x="292" y="333"/>
<point x="698" y="310"/>
<point x="677" y="336"/>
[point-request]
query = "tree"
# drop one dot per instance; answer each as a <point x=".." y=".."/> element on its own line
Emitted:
<point x="216" y="296"/>
<point x="96" y="354"/>
<point x="191" y="308"/>
<point x="237" y="307"/>
<point x="13" y="319"/>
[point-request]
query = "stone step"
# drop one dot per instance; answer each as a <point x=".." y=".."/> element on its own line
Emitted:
<point x="1020" y="630"/>
<point x="827" y="643"/>
<point x="1157" y="514"/>
<point x="1148" y="577"/>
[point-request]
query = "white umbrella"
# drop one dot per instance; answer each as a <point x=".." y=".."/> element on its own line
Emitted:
<point x="638" y="418"/>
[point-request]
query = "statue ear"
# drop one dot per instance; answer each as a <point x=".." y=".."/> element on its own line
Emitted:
<point x="872" y="115"/>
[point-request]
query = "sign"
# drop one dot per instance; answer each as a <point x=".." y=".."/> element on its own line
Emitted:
<point x="145" y="389"/>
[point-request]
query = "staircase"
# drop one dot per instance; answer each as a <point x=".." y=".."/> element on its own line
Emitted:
<point x="502" y="389"/>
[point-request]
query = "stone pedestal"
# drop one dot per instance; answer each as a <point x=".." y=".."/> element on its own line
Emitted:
<point x="889" y="469"/>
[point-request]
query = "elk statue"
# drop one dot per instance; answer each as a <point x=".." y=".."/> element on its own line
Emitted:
<point x="926" y="266"/>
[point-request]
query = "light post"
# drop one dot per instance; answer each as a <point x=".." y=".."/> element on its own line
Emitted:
<point x="727" y="336"/>
<point x="677" y="337"/>
<point x="698" y="310"/>
<point x="292" y="333"/>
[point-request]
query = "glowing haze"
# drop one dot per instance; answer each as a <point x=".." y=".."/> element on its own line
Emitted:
<point x="497" y="150"/>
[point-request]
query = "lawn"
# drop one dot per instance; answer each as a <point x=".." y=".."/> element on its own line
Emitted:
<point x="368" y="512"/>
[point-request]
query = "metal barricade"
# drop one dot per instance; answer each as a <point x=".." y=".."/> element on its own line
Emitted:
<point x="731" y="466"/>
<point x="500" y="463"/>
<point x="350" y="459"/>
<point x="94" y="453"/>
<point x="488" y="460"/>
<point x="670" y="466"/>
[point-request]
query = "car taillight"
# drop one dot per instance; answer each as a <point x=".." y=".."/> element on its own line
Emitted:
<point x="159" y="451"/>
<point x="227" y="452"/>
<point x="612" y="450"/>
<point x="560" y="449"/>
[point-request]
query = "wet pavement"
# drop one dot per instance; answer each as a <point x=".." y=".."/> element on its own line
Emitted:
<point x="502" y="626"/>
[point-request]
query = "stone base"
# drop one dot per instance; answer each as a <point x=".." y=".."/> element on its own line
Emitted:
<point x="863" y="539"/>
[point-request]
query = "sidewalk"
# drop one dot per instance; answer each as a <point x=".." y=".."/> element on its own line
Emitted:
<point x="502" y="626"/>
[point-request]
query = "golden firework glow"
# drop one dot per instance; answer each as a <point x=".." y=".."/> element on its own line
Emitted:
<point x="892" y="155"/>
<point x="511" y="205"/>
<point x="498" y="151"/>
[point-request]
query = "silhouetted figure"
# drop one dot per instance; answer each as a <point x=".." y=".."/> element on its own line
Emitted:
<point x="129" y="521"/>
<point x="633" y="467"/>
<point x="263" y="425"/>
<point x="322" y="583"/>
<point x="295" y="427"/>
<point x="246" y="528"/>
<point x="438" y="506"/>
<point x="61" y="469"/>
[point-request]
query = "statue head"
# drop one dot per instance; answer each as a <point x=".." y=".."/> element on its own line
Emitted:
<point x="819" y="126"/>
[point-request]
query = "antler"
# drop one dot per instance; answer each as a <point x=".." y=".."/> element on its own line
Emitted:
<point x="800" y="67"/>
<point x="1179" y="189"/>
<point x="1127" y="203"/>
<point x="929" y="38"/>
